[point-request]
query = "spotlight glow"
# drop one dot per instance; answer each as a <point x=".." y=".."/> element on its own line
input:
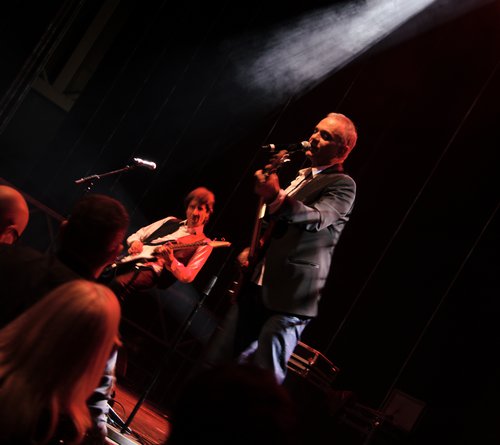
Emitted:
<point x="301" y="53"/>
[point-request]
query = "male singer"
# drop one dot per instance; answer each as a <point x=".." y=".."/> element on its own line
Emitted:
<point x="308" y="217"/>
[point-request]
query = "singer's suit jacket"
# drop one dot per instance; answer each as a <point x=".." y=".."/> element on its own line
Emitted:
<point x="306" y="229"/>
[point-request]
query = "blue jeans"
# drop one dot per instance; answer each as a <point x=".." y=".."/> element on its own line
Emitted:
<point x="252" y="333"/>
<point x="98" y="401"/>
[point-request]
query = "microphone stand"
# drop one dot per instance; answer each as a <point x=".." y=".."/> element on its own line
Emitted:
<point x="173" y="348"/>
<point x="90" y="179"/>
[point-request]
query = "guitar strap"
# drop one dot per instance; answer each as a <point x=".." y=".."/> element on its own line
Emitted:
<point x="165" y="229"/>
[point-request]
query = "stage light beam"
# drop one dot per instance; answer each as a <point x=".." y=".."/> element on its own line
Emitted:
<point x="297" y="55"/>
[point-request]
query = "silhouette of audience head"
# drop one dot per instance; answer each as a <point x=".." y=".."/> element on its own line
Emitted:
<point x="93" y="234"/>
<point x="233" y="403"/>
<point x="14" y="214"/>
<point x="52" y="358"/>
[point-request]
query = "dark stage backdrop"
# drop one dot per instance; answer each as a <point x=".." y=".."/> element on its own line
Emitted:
<point x="412" y="301"/>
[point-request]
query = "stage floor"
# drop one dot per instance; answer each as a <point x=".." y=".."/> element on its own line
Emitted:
<point x="149" y="426"/>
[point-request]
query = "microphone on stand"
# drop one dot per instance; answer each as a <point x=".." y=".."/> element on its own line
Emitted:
<point x="298" y="146"/>
<point x="137" y="162"/>
<point x="150" y="165"/>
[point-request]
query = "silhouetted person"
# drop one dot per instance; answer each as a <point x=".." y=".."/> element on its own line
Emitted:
<point x="51" y="360"/>
<point x="88" y="240"/>
<point x="14" y="214"/>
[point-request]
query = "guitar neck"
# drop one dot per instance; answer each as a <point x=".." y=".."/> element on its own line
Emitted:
<point x="187" y="245"/>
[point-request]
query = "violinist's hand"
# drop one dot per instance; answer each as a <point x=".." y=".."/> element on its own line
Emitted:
<point x="165" y="254"/>
<point x="135" y="247"/>
<point x="243" y="257"/>
<point x="267" y="186"/>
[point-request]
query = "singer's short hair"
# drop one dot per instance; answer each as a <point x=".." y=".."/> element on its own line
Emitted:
<point x="349" y="135"/>
<point x="203" y="196"/>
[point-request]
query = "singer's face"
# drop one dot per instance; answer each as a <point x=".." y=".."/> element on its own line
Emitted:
<point x="197" y="214"/>
<point x="325" y="148"/>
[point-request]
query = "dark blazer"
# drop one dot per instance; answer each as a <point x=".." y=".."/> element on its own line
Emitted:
<point x="306" y="229"/>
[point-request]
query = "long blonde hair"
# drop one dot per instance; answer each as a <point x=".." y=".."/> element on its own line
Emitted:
<point x="52" y="358"/>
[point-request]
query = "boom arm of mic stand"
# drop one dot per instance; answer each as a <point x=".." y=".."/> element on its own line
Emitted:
<point x="91" y="178"/>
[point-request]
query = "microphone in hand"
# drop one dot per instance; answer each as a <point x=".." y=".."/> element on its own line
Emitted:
<point x="298" y="146"/>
